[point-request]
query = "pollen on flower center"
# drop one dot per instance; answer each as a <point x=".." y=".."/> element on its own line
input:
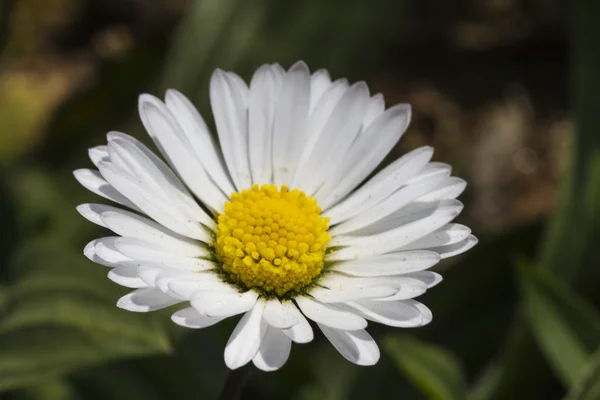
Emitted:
<point x="272" y="240"/>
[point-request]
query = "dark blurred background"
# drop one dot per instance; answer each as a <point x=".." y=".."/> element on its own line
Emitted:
<point x="503" y="89"/>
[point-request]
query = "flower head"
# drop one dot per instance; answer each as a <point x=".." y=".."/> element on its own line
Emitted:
<point x="279" y="221"/>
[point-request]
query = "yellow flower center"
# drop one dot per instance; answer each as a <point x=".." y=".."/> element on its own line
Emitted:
<point x="272" y="240"/>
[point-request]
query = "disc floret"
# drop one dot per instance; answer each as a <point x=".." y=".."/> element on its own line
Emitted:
<point x="272" y="240"/>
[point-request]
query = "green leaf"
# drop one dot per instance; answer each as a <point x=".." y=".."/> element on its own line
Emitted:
<point x="587" y="385"/>
<point x="566" y="328"/>
<point x="61" y="316"/>
<point x="432" y="369"/>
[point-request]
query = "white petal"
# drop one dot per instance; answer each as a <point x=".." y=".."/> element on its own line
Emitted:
<point x="402" y="314"/>
<point x="301" y="332"/>
<point x="339" y="132"/>
<point x="357" y="346"/>
<point x="320" y="81"/>
<point x="456" y="248"/>
<point x="166" y="277"/>
<point x="447" y="235"/>
<point x="228" y="99"/>
<point x="375" y="109"/>
<point x="429" y="278"/>
<point x="204" y="281"/>
<point x="280" y="314"/>
<point x="388" y="206"/>
<point x="246" y="338"/>
<point x="93" y="181"/>
<point x="176" y="148"/>
<point x="439" y="214"/>
<point x="431" y="169"/>
<point x="134" y="157"/>
<point x="335" y="288"/>
<point x="132" y="225"/>
<point x="139" y="249"/>
<point x="92" y="212"/>
<point x="290" y="124"/>
<point x="200" y="139"/>
<point x="316" y="123"/>
<point x="329" y="315"/>
<point x="223" y="304"/>
<point x="98" y="153"/>
<point x="264" y="89"/>
<point x="103" y="251"/>
<point x="450" y="188"/>
<point x="274" y="350"/>
<point x="190" y="318"/>
<point x="172" y="218"/>
<point x="408" y="288"/>
<point x="126" y="276"/>
<point x="160" y="277"/>
<point x="365" y="153"/>
<point x="146" y="299"/>
<point x="389" y="264"/>
<point x="386" y="182"/>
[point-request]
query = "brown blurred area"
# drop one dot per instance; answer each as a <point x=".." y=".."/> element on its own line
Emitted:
<point x="487" y="81"/>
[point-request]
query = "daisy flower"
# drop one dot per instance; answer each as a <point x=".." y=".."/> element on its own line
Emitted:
<point x="280" y="220"/>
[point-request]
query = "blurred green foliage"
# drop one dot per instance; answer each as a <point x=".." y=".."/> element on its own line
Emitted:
<point x="503" y="328"/>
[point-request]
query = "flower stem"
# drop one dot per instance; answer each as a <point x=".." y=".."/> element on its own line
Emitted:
<point x="234" y="383"/>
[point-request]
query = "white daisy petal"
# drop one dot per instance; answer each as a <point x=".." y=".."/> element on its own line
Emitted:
<point x="149" y="273"/>
<point x="135" y="158"/>
<point x="447" y="235"/>
<point x="98" y="153"/>
<point x="103" y="251"/>
<point x="92" y="212"/>
<point x="388" y="206"/>
<point x="365" y="153"/>
<point x="408" y="288"/>
<point x="264" y="89"/>
<point x="431" y="169"/>
<point x="389" y="264"/>
<point x="301" y="332"/>
<point x="190" y="318"/>
<point x="200" y="139"/>
<point x="402" y="314"/>
<point x="320" y="81"/>
<point x="339" y="132"/>
<point x="456" y="248"/>
<point x="175" y="146"/>
<point x="356" y="346"/>
<point x="204" y="281"/>
<point x="450" y="188"/>
<point x="429" y="278"/>
<point x="126" y="276"/>
<point x="132" y="225"/>
<point x="145" y="300"/>
<point x="329" y="315"/>
<point x="375" y="109"/>
<point x="228" y="100"/>
<point x="381" y="185"/>
<point x="93" y="181"/>
<point x="142" y="250"/>
<point x="223" y="304"/>
<point x="336" y="288"/>
<point x="280" y="314"/>
<point x="246" y="338"/>
<point x="274" y="350"/>
<point x="291" y="120"/>
<point x="153" y="206"/>
<point x="368" y="246"/>
<point x="316" y="124"/>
